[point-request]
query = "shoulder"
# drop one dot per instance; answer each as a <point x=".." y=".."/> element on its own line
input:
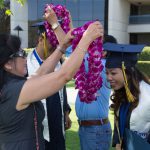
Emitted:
<point x="144" y="92"/>
<point x="30" y="55"/>
<point x="12" y="89"/>
<point x="144" y="86"/>
<point x="32" y="63"/>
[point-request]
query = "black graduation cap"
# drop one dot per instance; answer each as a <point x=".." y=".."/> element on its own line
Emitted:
<point x="109" y="38"/>
<point x="40" y="26"/>
<point x="119" y="53"/>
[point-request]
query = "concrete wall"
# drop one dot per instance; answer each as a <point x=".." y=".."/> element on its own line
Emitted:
<point x="119" y="11"/>
<point x="141" y="28"/>
<point x="20" y="18"/>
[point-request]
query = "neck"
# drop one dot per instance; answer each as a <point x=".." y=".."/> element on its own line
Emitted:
<point x="40" y="52"/>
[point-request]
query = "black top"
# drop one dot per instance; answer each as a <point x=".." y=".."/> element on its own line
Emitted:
<point x="17" y="131"/>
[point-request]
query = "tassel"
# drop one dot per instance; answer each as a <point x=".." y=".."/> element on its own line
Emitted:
<point x="45" y="46"/>
<point x="130" y="97"/>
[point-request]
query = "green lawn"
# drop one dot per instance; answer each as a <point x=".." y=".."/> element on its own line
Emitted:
<point x="72" y="139"/>
<point x="71" y="83"/>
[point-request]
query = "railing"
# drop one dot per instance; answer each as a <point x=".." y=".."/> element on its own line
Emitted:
<point x="139" y="19"/>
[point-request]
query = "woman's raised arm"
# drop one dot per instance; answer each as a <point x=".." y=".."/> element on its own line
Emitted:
<point x="41" y="87"/>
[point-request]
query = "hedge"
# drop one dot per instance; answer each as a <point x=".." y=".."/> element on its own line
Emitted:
<point x="144" y="66"/>
<point x="145" y="55"/>
<point x="28" y="49"/>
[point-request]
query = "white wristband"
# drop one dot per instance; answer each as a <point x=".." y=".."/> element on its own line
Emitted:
<point x="55" y="26"/>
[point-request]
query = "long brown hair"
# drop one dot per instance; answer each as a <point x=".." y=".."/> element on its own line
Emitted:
<point x="134" y="77"/>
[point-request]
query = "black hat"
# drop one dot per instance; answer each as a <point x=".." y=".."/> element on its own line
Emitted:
<point x="119" y="53"/>
<point x="109" y="38"/>
<point x="40" y="26"/>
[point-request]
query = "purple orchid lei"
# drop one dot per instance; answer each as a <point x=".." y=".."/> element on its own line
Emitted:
<point x="63" y="15"/>
<point x="88" y="82"/>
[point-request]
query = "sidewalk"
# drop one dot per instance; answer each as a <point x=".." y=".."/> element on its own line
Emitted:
<point x="71" y="94"/>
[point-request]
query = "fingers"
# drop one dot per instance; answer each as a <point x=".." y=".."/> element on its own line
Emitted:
<point x="50" y="15"/>
<point x="68" y="124"/>
<point x="49" y="9"/>
<point x="99" y="28"/>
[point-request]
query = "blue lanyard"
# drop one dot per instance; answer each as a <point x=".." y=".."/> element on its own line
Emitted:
<point x="37" y="57"/>
<point x="122" y="117"/>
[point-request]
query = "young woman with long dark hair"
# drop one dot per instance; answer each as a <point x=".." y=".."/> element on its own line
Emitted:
<point x="131" y="92"/>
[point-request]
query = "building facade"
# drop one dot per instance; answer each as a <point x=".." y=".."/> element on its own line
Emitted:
<point x="81" y="11"/>
<point x="127" y="20"/>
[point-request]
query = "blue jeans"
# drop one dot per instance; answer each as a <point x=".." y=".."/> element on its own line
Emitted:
<point x="95" y="137"/>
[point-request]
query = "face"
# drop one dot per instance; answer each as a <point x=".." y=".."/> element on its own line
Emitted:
<point x="104" y="53"/>
<point x="20" y="66"/>
<point x="17" y="64"/>
<point x="115" y="77"/>
<point x="48" y="45"/>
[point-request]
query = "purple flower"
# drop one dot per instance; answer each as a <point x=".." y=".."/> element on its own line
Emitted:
<point x="88" y="82"/>
<point x="61" y="13"/>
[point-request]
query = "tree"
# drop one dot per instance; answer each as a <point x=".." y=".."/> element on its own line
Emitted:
<point x="5" y="13"/>
<point x="8" y="11"/>
<point x="4" y="19"/>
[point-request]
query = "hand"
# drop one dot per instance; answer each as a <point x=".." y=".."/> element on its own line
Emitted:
<point x="118" y="146"/>
<point x="67" y="40"/>
<point x="50" y="16"/>
<point x="68" y="121"/>
<point x="94" y="31"/>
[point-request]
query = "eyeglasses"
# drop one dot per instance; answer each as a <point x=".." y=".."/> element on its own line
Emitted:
<point x="20" y="53"/>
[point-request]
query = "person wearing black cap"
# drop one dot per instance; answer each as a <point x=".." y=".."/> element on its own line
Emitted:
<point x="130" y="97"/>
<point x="56" y="106"/>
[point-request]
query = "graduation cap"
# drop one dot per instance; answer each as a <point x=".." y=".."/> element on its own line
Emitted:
<point x="119" y="53"/>
<point x="109" y="38"/>
<point x="42" y="31"/>
<point x="40" y="26"/>
<point x="122" y="56"/>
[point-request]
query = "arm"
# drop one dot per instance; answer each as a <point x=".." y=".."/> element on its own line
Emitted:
<point x="67" y="110"/>
<point x="51" y="17"/>
<point x="52" y="82"/>
<point x="66" y="105"/>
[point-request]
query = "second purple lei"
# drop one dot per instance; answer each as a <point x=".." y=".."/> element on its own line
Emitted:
<point x="89" y="82"/>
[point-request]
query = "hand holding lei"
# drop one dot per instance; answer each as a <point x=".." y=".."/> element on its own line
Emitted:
<point x="63" y="15"/>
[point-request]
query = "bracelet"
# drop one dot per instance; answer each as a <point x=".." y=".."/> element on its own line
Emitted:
<point x="61" y="49"/>
<point x="55" y="26"/>
<point x="81" y="49"/>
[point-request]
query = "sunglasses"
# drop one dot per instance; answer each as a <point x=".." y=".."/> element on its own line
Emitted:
<point x="20" y="53"/>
